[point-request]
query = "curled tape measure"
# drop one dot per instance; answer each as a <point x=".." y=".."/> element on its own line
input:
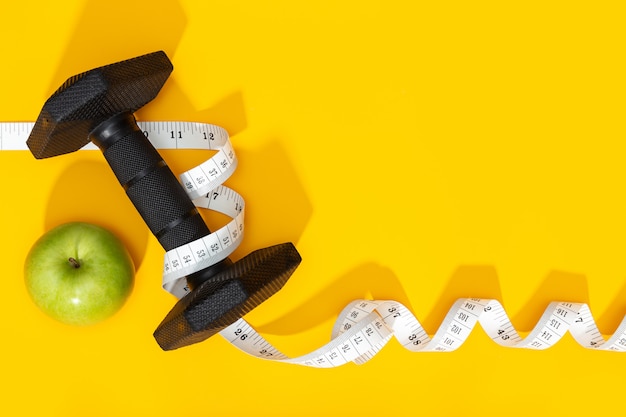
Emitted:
<point x="364" y="326"/>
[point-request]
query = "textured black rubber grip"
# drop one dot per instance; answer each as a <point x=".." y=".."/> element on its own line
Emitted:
<point x="155" y="192"/>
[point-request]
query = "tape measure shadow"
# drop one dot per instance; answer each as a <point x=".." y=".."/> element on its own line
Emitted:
<point x="369" y="280"/>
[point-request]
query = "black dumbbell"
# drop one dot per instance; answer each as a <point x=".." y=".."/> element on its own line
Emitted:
<point x="98" y="106"/>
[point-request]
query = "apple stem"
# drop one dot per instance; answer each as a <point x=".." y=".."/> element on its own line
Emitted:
<point x="74" y="263"/>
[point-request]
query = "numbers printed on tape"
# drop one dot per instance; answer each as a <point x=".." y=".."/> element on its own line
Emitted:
<point x="204" y="252"/>
<point x="364" y="326"/>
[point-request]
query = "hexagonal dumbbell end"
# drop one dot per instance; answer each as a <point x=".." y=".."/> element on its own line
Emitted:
<point x="227" y="296"/>
<point x="90" y="98"/>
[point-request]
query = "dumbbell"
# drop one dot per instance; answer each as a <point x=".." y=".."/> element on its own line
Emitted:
<point x="97" y="106"/>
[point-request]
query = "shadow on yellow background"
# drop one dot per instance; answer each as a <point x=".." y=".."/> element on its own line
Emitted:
<point x="482" y="281"/>
<point x="277" y="206"/>
<point x="493" y="128"/>
<point x="614" y="314"/>
<point x="372" y="281"/>
<point x="368" y="281"/>
<point x="104" y="26"/>
<point x="556" y="286"/>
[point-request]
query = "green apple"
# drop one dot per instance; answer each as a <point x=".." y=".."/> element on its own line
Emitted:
<point x="79" y="273"/>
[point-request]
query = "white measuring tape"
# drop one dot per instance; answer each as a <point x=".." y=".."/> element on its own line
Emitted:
<point x="364" y="326"/>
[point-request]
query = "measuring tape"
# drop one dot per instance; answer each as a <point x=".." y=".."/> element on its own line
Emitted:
<point x="364" y="326"/>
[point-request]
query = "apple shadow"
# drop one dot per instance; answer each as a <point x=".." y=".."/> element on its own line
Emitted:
<point x="88" y="191"/>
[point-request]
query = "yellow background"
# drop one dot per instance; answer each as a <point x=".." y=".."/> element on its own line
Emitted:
<point x="414" y="150"/>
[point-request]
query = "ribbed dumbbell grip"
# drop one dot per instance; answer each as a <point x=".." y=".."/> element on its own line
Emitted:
<point x="149" y="183"/>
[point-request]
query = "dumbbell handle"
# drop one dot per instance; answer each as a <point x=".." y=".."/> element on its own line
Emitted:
<point x="155" y="192"/>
